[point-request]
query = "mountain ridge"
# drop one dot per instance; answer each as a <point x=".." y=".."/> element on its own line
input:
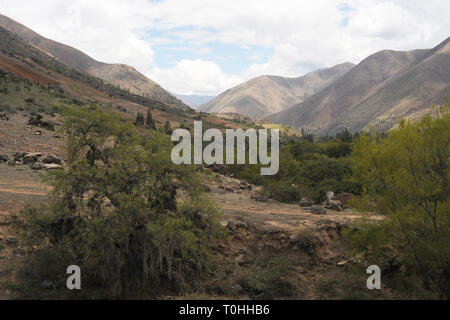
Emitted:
<point x="268" y="94"/>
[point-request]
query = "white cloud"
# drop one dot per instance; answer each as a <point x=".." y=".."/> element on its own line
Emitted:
<point x="194" y="77"/>
<point x="304" y="35"/>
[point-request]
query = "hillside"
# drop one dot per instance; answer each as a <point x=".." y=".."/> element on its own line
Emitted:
<point x="269" y="94"/>
<point x="381" y="89"/>
<point x="119" y="75"/>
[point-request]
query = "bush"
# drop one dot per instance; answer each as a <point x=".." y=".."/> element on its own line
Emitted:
<point x="268" y="277"/>
<point x="406" y="176"/>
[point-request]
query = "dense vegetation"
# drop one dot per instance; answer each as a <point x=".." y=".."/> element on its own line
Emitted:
<point x="307" y="169"/>
<point x="136" y="224"/>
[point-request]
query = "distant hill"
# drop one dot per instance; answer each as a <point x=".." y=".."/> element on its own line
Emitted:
<point x="386" y="86"/>
<point x="193" y="100"/>
<point x="117" y="74"/>
<point x="269" y="94"/>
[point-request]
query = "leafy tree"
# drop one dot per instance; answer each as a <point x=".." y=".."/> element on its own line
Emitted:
<point x="114" y="212"/>
<point x="406" y="176"/>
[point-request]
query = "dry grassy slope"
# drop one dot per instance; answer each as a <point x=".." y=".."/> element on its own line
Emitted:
<point x="269" y="94"/>
<point x="330" y="108"/>
<point x="117" y="74"/>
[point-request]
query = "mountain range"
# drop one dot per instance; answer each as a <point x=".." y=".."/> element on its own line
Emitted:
<point x="266" y="95"/>
<point x="193" y="100"/>
<point x="380" y="90"/>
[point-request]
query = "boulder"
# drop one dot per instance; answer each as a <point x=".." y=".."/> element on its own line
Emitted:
<point x="31" y="157"/>
<point x="335" y="205"/>
<point x="330" y="196"/>
<point x="305" y="202"/>
<point x="4" y="158"/>
<point x="51" y="159"/>
<point x="317" y="209"/>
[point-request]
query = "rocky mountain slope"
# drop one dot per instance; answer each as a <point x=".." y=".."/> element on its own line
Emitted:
<point x="120" y="75"/>
<point x="269" y="94"/>
<point x="386" y="86"/>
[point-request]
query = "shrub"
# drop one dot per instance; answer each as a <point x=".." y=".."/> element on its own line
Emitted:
<point x="114" y="212"/>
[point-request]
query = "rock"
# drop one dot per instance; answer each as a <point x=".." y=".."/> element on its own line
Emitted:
<point x="46" y="285"/>
<point x="260" y="198"/>
<point x="30" y="158"/>
<point x="305" y="202"/>
<point x="36" y="166"/>
<point x="237" y="289"/>
<point x="38" y="133"/>
<point x="51" y="159"/>
<point x="318" y="210"/>
<point x="4" y="158"/>
<point x="11" y="240"/>
<point x="235" y="225"/>
<point x="334" y="205"/>
<point x="269" y="229"/>
<point x="18" y="251"/>
<point x="344" y="197"/>
<point x="50" y="167"/>
<point x="330" y="196"/>
<point x="342" y="263"/>
<point x="18" y="155"/>
<point x="11" y="163"/>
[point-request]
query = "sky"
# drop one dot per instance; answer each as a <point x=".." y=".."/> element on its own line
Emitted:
<point x="207" y="46"/>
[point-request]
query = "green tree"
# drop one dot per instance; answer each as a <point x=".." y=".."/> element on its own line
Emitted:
<point x="140" y="121"/>
<point x="149" y="123"/>
<point x="167" y="128"/>
<point x="114" y="211"/>
<point x="406" y="177"/>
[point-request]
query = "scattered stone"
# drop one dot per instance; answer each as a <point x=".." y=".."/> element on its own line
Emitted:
<point x="51" y="159"/>
<point x="317" y="209"/>
<point x="305" y="202"/>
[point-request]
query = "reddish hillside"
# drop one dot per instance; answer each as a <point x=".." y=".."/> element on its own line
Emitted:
<point x="25" y="72"/>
